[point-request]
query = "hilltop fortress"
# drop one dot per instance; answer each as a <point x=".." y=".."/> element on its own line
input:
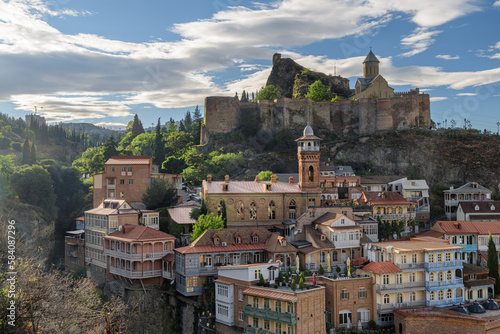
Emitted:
<point x="372" y="106"/>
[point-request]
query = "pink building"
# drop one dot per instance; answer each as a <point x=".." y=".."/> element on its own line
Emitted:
<point x="136" y="252"/>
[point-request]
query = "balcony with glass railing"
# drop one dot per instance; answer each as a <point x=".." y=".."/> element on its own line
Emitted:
<point x="268" y="314"/>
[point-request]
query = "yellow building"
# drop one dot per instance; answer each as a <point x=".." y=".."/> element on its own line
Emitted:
<point x="372" y="85"/>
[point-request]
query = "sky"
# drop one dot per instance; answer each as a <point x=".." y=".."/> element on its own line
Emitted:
<point x="101" y="62"/>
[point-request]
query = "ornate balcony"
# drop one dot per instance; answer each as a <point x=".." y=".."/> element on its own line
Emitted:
<point x="443" y="264"/>
<point x="399" y="286"/>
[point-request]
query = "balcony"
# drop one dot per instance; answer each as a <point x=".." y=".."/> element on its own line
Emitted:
<point x="390" y="307"/>
<point x="168" y="275"/>
<point x="446" y="302"/>
<point x="406" y="266"/>
<point x="268" y="314"/>
<point x="394" y="216"/>
<point x="399" y="286"/>
<point x="137" y="274"/>
<point x="111" y="186"/>
<point x="346" y="243"/>
<point x="444" y="264"/>
<point x="434" y="284"/>
<point x="135" y="257"/>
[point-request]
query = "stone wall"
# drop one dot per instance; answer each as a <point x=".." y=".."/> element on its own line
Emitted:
<point x="345" y="118"/>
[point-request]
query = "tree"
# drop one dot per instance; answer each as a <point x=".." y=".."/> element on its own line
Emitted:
<point x="223" y="213"/>
<point x="206" y="222"/>
<point x="268" y="93"/>
<point x="301" y="283"/>
<point x="321" y="270"/>
<point x="159" y="195"/>
<point x="188" y="120"/>
<point x="265" y="175"/>
<point x="33" y="154"/>
<point x="197" y="117"/>
<point x="137" y="127"/>
<point x="262" y="282"/>
<point x="294" y="285"/>
<point x="197" y="212"/>
<point x="182" y="127"/>
<point x="26" y="153"/>
<point x="174" y="165"/>
<point x="27" y="178"/>
<point x="143" y="144"/>
<point x="318" y="92"/>
<point x="110" y="148"/>
<point x="158" y="146"/>
<point x="6" y="170"/>
<point x="492" y="264"/>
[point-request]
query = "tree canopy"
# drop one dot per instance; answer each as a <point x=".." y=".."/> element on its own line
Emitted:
<point x="318" y="92"/>
<point x="265" y="175"/>
<point x="206" y="222"/>
<point x="137" y="127"/>
<point x="159" y="195"/>
<point x="268" y="93"/>
<point x="158" y="151"/>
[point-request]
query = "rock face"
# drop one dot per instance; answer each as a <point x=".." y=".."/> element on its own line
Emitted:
<point x="285" y="71"/>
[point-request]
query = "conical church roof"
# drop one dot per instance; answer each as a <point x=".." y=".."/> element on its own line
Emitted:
<point x="371" y="57"/>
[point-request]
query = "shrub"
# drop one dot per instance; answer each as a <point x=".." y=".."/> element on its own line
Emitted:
<point x="294" y="285"/>
<point x="321" y="270"/>
<point x="287" y="277"/>
<point x="301" y="283"/>
<point x="307" y="273"/>
<point x="337" y="269"/>
<point x="261" y="280"/>
<point x="308" y="286"/>
<point x="275" y="285"/>
<point x="335" y="276"/>
<point x="280" y="277"/>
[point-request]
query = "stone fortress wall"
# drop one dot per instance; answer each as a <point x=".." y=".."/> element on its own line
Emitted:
<point x="344" y="118"/>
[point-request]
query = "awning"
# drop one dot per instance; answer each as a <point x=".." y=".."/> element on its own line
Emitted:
<point x="168" y="258"/>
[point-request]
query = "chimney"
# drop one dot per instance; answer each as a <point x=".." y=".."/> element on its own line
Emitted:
<point x="209" y="178"/>
<point x="274" y="178"/>
<point x="226" y="178"/>
<point x="290" y="180"/>
<point x="257" y="179"/>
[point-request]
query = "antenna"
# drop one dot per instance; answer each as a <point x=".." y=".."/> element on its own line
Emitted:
<point x="334" y="69"/>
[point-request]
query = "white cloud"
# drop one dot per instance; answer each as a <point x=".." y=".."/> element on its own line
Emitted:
<point x="438" y="98"/>
<point x="111" y="125"/>
<point x="497" y="3"/>
<point x="418" y="41"/>
<point x="448" y="57"/>
<point x="466" y="94"/>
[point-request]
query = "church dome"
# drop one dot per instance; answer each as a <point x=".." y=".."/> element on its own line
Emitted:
<point x="308" y="131"/>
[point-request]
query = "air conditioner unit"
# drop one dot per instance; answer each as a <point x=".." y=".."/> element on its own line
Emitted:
<point x="224" y="243"/>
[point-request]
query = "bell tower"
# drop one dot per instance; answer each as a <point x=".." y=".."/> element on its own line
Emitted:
<point x="370" y="66"/>
<point x="308" y="152"/>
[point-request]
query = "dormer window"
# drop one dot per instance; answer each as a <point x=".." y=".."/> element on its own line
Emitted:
<point x="238" y="240"/>
<point x="476" y="207"/>
<point x="255" y="238"/>
<point x="342" y="221"/>
<point x="412" y="183"/>
<point x="268" y="186"/>
<point x="225" y="187"/>
<point x="216" y="240"/>
<point x="474" y="185"/>
<point x="323" y="237"/>
<point x="283" y="242"/>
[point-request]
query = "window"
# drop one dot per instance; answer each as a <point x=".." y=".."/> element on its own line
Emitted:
<point x="113" y="169"/>
<point x="362" y="293"/>
<point x="413" y="277"/>
<point x="271" y="210"/>
<point x="269" y="186"/>
<point x="449" y="294"/>
<point x="241" y="318"/>
<point x="344" y="294"/>
<point x="364" y="315"/>
<point x="431" y="257"/>
<point x="399" y="298"/>
<point x="345" y="316"/>
<point x="240" y="210"/>
<point x="223" y="290"/>
<point x="403" y="258"/>
<point x="253" y="211"/>
<point x="413" y="297"/>
<point x="129" y="169"/>
<point x="472" y="276"/>
<point x="399" y="278"/>
<point x="441" y="276"/>
<point x="255" y="302"/>
<point x="441" y="295"/>
<point x="255" y="238"/>
<point x="124" y="169"/>
<point x="257" y="274"/>
<point x="448" y="256"/>
<point x="130" y="181"/>
<point x="278" y="306"/>
<point x="238" y="240"/>
<point x="122" y="181"/>
<point x="266" y="324"/>
<point x="255" y="322"/>
<point x="386" y="299"/>
<point x="385" y="279"/>
<point x="440" y="257"/>
<point x="216" y="241"/>
<point x="291" y="209"/>
<point x="432" y="277"/>
<point x="449" y="275"/>
<point x="480" y="294"/>
<point x="322" y="256"/>
<point x="432" y="295"/>
<point x="335" y="256"/>
<point x="414" y="258"/>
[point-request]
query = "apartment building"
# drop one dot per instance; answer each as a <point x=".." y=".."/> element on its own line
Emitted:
<point x="74" y="250"/>
<point x="135" y="253"/>
<point x="469" y="192"/>
<point x="198" y="262"/>
<point x="478" y="286"/>
<point x="479" y="211"/>
<point x="421" y="271"/>
<point x="414" y="191"/>
<point x="127" y="178"/>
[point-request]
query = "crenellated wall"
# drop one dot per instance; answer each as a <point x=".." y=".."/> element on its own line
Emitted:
<point x="344" y="118"/>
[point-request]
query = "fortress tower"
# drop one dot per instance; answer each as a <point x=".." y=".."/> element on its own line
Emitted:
<point x="308" y="152"/>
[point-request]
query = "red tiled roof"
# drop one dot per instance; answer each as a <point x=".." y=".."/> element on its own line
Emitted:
<point x="129" y="160"/>
<point x="139" y="233"/>
<point x="382" y="267"/>
<point x="359" y="261"/>
<point x="430" y="233"/>
<point x="467" y="227"/>
<point x="80" y="218"/>
<point x="308" y="137"/>
<point x="249" y="187"/>
<point x="219" y="280"/>
<point x="168" y="258"/>
<point x="271" y="294"/>
<point x="219" y="248"/>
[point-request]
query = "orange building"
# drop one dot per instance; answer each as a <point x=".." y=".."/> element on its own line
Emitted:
<point x="127" y="178"/>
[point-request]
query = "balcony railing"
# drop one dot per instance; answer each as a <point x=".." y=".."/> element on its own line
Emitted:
<point x="443" y="264"/>
<point x="394" y="216"/>
<point x="167" y="274"/>
<point x="386" y="307"/>
<point x="135" y="273"/>
<point x="268" y="314"/>
<point x="136" y="257"/>
<point x="448" y="301"/>
<point x="418" y="265"/>
<point x="397" y="286"/>
<point x="433" y="284"/>
<point x="346" y="243"/>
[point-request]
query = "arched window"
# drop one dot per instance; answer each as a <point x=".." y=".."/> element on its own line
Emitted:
<point x="480" y="294"/>
<point x="291" y="209"/>
<point x="471" y="294"/>
<point x="449" y="274"/>
<point x="400" y="298"/>
<point x="322" y="256"/>
<point x="311" y="174"/>
<point x="386" y="299"/>
<point x="240" y="210"/>
<point x="441" y="295"/>
<point x="441" y="276"/>
<point x="345" y="316"/>
<point x="440" y="257"/>
<point x="271" y="210"/>
<point x="433" y="295"/>
<point x="413" y="296"/>
<point x="253" y="211"/>
<point x="449" y="294"/>
<point x="432" y="276"/>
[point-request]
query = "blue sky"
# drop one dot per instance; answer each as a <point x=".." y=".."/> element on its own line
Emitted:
<point x="103" y="61"/>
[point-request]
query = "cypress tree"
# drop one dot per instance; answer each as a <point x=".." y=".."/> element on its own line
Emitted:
<point x="224" y="214"/>
<point x="188" y="120"/>
<point x="158" y="146"/>
<point x="33" y="154"/>
<point x="493" y="264"/>
<point x="181" y="126"/>
<point x="137" y="127"/>
<point x="26" y="152"/>
<point x="197" y="115"/>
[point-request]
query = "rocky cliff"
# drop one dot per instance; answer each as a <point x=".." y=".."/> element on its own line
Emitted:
<point x="285" y="71"/>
